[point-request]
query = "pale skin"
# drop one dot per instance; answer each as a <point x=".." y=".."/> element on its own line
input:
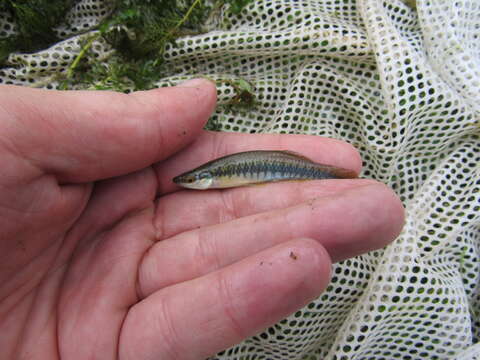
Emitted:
<point x="103" y="257"/>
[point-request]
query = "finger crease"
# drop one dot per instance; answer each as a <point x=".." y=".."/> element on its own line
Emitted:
<point x="172" y="345"/>
<point x="227" y="300"/>
<point x="207" y="252"/>
<point x="158" y="221"/>
<point x="228" y="210"/>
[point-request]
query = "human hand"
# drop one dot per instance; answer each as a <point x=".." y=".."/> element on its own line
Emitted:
<point x="102" y="256"/>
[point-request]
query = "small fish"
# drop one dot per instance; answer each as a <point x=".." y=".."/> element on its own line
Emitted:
<point x="256" y="167"/>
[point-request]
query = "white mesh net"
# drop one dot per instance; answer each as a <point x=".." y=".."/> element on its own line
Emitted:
<point x="400" y="84"/>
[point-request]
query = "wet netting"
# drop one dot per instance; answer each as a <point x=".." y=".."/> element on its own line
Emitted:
<point x="398" y="80"/>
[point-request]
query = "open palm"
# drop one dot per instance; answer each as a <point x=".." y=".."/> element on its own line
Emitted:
<point x="102" y="256"/>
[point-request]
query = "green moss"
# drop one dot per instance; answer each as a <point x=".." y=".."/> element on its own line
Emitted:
<point x="236" y="6"/>
<point x="411" y="3"/>
<point x="244" y="93"/>
<point x="35" y="20"/>
<point x="140" y="29"/>
<point x="7" y="46"/>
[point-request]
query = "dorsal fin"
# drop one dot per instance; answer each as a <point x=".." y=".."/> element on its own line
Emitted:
<point x="290" y="152"/>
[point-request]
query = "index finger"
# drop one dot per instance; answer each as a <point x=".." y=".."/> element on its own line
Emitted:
<point x="212" y="145"/>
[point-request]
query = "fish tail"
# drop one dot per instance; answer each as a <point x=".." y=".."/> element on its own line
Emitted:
<point x="341" y="173"/>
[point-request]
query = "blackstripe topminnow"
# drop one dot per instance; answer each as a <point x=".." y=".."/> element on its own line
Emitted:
<point x="256" y="167"/>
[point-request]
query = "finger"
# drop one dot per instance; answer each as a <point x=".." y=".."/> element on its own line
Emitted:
<point x="346" y="224"/>
<point x="186" y="210"/>
<point x="198" y="318"/>
<point x="211" y="145"/>
<point x="89" y="135"/>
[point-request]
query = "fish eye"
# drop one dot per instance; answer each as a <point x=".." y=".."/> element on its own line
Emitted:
<point x="204" y="175"/>
<point x="189" y="179"/>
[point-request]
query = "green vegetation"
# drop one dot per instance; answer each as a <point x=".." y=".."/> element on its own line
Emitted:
<point x="34" y="21"/>
<point x="244" y="93"/>
<point x="411" y="3"/>
<point x="138" y="30"/>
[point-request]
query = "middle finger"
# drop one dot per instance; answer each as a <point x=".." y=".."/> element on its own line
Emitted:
<point x="186" y="210"/>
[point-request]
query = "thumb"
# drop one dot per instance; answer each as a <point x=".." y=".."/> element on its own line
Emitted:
<point x="81" y="136"/>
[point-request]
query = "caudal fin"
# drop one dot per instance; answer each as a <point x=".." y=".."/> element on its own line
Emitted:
<point x="341" y="173"/>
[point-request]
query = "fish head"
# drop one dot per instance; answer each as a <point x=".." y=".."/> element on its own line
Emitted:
<point x="198" y="180"/>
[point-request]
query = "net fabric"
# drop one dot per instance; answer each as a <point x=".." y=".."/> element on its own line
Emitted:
<point x="399" y="83"/>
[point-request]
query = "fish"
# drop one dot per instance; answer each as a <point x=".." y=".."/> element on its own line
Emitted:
<point x="258" y="167"/>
